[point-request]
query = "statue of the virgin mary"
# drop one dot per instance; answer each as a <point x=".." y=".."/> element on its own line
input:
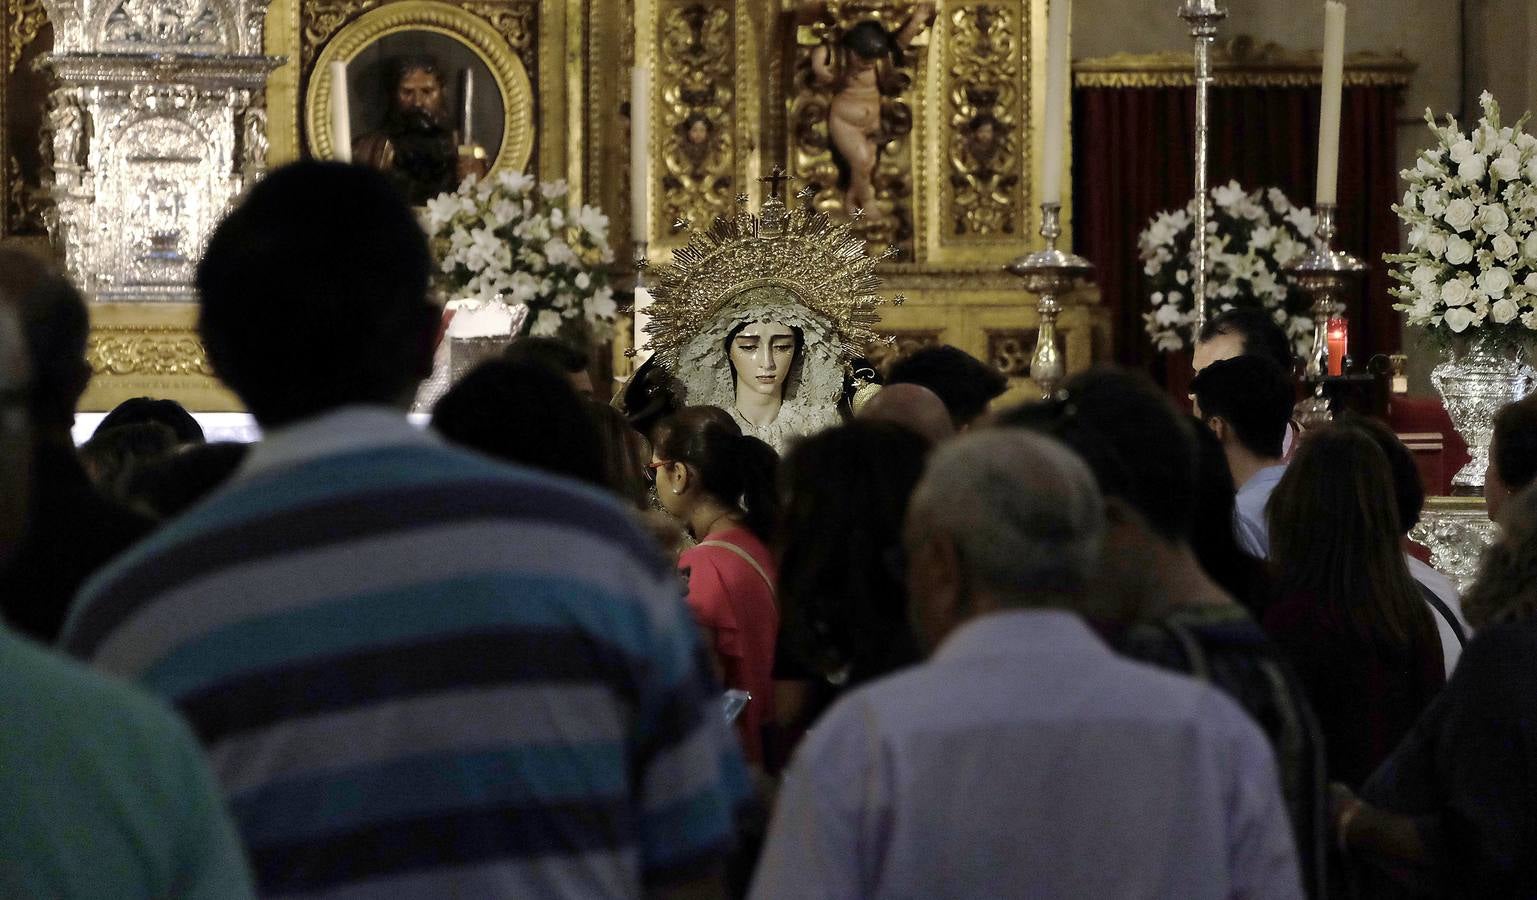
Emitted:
<point x="762" y="316"/>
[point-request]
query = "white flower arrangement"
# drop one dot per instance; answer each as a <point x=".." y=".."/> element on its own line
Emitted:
<point x="508" y="240"/>
<point x="1471" y="208"/>
<point x="1250" y="236"/>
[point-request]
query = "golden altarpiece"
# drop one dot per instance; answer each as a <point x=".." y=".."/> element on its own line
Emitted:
<point x="738" y="88"/>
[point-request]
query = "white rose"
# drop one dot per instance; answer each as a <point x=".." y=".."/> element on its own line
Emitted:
<point x="1263" y="237"/>
<point x="1435" y="244"/>
<point x="1473" y="169"/>
<point x="1505" y="168"/>
<point x="1432" y="203"/>
<point x="1459" y="318"/>
<point x="1460" y="213"/>
<point x="1458" y="251"/>
<point x="601" y="305"/>
<point x="1462" y="151"/>
<point x="1423" y="275"/>
<point x="1494" y="219"/>
<point x="1228" y="195"/>
<point x="1503" y="311"/>
<point x="1456" y="293"/>
<point x="1495" y="282"/>
<point x="547" y="323"/>
<point x="1505" y="246"/>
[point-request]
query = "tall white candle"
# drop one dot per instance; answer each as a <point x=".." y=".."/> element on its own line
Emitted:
<point x="1329" y="110"/>
<point x="467" y="108"/>
<point x="640" y="149"/>
<point x="1056" y="101"/>
<point x="341" y="116"/>
<point x="642" y="303"/>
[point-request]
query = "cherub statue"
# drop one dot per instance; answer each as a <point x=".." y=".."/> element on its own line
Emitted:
<point x="861" y="66"/>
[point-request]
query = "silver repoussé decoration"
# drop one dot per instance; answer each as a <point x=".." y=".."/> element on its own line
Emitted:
<point x="154" y="125"/>
<point x="1050" y="273"/>
<point x="1203" y="17"/>
<point x="1474" y="384"/>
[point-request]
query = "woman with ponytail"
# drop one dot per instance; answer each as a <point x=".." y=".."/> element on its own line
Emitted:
<point x="720" y="484"/>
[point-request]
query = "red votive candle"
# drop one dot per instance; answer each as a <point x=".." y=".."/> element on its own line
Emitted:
<point x="1338" y="332"/>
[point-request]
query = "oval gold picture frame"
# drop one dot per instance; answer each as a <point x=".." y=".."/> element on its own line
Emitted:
<point x="424" y="15"/>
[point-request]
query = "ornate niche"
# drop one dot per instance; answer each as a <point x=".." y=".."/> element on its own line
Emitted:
<point x="708" y="79"/>
<point x="835" y="42"/>
<point x="154" y="126"/>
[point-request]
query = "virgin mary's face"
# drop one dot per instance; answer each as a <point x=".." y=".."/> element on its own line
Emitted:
<point x="762" y="353"/>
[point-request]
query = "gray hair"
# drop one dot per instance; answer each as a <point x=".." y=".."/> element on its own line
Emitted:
<point x="1024" y="512"/>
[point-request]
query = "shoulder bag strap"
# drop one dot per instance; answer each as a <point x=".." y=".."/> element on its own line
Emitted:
<point x="747" y="557"/>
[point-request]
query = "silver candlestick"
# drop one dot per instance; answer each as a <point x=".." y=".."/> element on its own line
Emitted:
<point x="1325" y="274"/>
<point x="1203" y="17"/>
<point x="1050" y="273"/>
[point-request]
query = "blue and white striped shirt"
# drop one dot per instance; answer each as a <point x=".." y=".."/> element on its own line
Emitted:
<point x="419" y="672"/>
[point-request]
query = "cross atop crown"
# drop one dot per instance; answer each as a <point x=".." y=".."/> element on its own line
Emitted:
<point x="776" y="181"/>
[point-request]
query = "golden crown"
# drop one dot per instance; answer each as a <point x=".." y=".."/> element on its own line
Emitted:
<point x="823" y="265"/>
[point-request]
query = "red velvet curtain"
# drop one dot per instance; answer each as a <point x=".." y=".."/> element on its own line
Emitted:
<point x="1133" y="152"/>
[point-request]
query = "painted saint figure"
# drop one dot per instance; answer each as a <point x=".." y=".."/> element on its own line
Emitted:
<point x="418" y="146"/>
<point x="862" y="68"/>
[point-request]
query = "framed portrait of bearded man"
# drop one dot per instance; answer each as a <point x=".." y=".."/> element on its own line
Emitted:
<point x="433" y="95"/>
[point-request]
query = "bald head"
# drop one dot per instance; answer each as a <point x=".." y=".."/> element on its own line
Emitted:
<point x="1002" y="518"/>
<point x="913" y="407"/>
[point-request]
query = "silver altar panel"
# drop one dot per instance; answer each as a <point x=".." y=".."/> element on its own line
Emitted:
<point x="155" y="126"/>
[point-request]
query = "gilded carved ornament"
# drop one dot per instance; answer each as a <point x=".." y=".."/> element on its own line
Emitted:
<point x="695" y="80"/>
<point x="984" y="143"/>
<point x="147" y="351"/>
<point x="823" y="27"/>
<point x="24" y="20"/>
<point x="1240" y="63"/>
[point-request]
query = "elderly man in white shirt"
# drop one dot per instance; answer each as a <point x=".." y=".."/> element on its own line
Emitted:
<point x="1025" y="759"/>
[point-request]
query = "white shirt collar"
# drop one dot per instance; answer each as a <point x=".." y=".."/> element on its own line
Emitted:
<point x="1022" y="632"/>
<point x="343" y="430"/>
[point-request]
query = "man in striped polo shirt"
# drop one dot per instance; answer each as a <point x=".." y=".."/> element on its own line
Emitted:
<point x="418" y="673"/>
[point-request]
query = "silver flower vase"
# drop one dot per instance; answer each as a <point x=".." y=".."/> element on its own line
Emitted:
<point x="1474" y="383"/>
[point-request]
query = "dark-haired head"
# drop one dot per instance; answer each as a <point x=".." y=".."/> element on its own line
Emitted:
<point x="139" y="410"/>
<point x="1138" y="445"/>
<point x="567" y="359"/>
<point x="314" y="294"/>
<point x="870" y="41"/>
<point x="167" y="486"/>
<point x="625" y="454"/>
<point x="701" y="455"/>
<point x="54" y="325"/>
<point x="1512" y="453"/>
<point x="1335" y="537"/>
<point x="113" y="457"/>
<point x="963" y="382"/>
<point x="1243" y="331"/>
<point x="1211" y="532"/>
<point x="843" y="596"/>
<point x="523" y="413"/>
<point x="1408" y="489"/>
<point x="1247" y="400"/>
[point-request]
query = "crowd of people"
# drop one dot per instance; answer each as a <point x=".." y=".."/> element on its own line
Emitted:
<point x="1093" y="646"/>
